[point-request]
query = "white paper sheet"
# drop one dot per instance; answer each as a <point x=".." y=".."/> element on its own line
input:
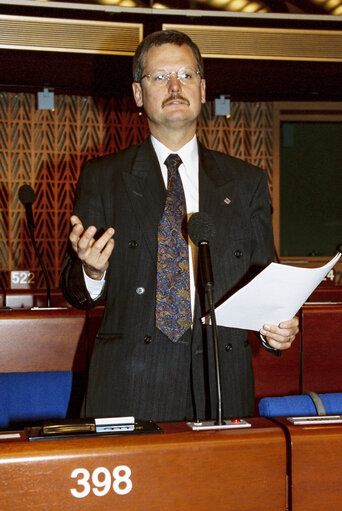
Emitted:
<point x="273" y="296"/>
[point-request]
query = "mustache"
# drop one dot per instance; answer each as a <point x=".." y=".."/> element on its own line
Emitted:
<point x="173" y="98"/>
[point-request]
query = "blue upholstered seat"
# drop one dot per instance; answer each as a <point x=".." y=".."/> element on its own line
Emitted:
<point x="30" y="397"/>
<point x="299" y="405"/>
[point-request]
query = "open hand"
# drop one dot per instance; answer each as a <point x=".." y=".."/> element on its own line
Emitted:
<point x="93" y="253"/>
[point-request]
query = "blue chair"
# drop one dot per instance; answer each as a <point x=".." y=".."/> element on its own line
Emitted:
<point x="304" y="404"/>
<point x="31" y="397"/>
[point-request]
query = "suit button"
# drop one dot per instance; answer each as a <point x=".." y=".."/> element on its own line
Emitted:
<point x="228" y="347"/>
<point x="140" y="290"/>
<point x="132" y="244"/>
<point x="147" y="339"/>
<point x="238" y="253"/>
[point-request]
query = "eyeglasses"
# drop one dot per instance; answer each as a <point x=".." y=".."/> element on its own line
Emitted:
<point x="185" y="75"/>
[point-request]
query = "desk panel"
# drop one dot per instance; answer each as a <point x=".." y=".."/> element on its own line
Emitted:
<point x="42" y="340"/>
<point x="274" y="376"/>
<point x="321" y="334"/>
<point x="179" y="469"/>
<point x="316" y="466"/>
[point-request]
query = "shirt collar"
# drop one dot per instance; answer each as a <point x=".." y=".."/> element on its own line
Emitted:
<point x="188" y="153"/>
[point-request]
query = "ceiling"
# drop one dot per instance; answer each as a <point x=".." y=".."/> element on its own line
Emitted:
<point x="245" y="79"/>
<point x="315" y="7"/>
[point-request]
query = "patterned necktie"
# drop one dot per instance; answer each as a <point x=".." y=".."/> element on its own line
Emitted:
<point x="173" y="308"/>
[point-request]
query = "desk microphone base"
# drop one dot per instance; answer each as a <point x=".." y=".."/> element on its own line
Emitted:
<point x="211" y="425"/>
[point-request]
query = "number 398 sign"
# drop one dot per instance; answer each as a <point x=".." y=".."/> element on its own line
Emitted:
<point x="101" y="481"/>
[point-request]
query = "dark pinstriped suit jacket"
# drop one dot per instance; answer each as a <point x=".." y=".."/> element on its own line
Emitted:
<point x="135" y="369"/>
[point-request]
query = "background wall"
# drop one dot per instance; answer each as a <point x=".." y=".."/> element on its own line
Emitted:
<point x="46" y="149"/>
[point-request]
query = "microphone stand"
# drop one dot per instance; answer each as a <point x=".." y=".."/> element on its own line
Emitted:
<point x="208" y="281"/>
<point x="42" y="265"/>
<point x="27" y="198"/>
<point x="209" y="293"/>
<point x="200" y="232"/>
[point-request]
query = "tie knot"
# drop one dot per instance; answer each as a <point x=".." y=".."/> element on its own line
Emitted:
<point x="173" y="161"/>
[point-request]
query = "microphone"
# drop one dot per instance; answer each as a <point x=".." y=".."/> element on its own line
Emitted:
<point x="201" y="232"/>
<point x="27" y="198"/>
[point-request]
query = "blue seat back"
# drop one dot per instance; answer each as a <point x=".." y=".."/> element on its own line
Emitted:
<point x="294" y="406"/>
<point x="35" y="396"/>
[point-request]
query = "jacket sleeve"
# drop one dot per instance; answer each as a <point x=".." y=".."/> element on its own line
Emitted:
<point x="264" y="246"/>
<point x="260" y="207"/>
<point x="88" y="207"/>
<point x="73" y="286"/>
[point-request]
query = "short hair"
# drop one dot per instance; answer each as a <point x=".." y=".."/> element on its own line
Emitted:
<point x="158" y="39"/>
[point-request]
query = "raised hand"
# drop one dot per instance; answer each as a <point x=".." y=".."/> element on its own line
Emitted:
<point x="93" y="253"/>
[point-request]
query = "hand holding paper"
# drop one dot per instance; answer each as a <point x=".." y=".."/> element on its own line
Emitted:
<point x="273" y="296"/>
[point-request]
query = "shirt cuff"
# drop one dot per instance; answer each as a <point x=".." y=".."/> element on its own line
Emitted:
<point x="269" y="348"/>
<point x="94" y="287"/>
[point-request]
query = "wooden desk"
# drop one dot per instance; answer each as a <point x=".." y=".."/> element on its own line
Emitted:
<point x="177" y="470"/>
<point x="326" y="293"/>
<point x="274" y="376"/>
<point x="27" y="298"/>
<point x="316" y="466"/>
<point x="312" y="364"/>
<point x="321" y="344"/>
<point x="42" y="340"/>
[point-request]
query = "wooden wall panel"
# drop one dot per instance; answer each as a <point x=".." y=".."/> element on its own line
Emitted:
<point x="46" y="149"/>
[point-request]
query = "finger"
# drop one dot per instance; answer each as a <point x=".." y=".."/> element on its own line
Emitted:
<point x="105" y="254"/>
<point x="76" y="227"/>
<point x="95" y="266"/>
<point x="75" y="234"/>
<point x="277" y="334"/>
<point x="95" y="254"/>
<point x="100" y="244"/>
<point x="287" y="324"/>
<point x="284" y="329"/>
<point x="292" y="324"/>
<point x="279" y="345"/>
<point x="75" y="220"/>
<point x="85" y="241"/>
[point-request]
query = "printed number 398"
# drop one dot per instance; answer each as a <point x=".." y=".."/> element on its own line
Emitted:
<point x="100" y="481"/>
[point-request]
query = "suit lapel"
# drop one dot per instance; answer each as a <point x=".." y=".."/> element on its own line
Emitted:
<point x="217" y="197"/>
<point x="217" y="190"/>
<point x="146" y="190"/>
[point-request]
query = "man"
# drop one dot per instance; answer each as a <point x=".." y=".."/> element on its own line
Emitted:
<point x="136" y="369"/>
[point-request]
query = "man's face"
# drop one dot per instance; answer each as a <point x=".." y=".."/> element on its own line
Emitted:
<point x="173" y="105"/>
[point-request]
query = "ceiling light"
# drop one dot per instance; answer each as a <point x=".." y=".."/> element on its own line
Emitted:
<point x="237" y="5"/>
<point x="219" y="4"/>
<point x="252" y="7"/>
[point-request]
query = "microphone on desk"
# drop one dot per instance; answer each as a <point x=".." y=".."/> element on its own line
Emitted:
<point x="202" y="232"/>
<point x="27" y="198"/>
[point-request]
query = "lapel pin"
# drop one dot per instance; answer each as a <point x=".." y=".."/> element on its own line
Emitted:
<point x="227" y="200"/>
